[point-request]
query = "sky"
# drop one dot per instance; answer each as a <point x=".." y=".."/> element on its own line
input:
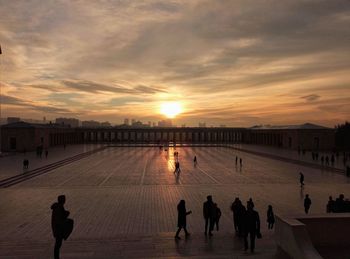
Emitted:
<point x="234" y="63"/>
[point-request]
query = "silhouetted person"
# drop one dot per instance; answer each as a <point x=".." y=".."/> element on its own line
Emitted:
<point x="332" y="159"/>
<point x="307" y="203"/>
<point x="195" y="160"/>
<point x="217" y="216"/>
<point x="340" y="204"/>
<point x="58" y="220"/>
<point x="25" y="164"/>
<point x="327" y="161"/>
<point x="301" y="179"/>
<point x="240" y="162"/>
<point x="209" y="215"/>
<point x="251" y="227"/>
<point x="177" y="168"/>
<point x="270" y="217"/>
<point x="46" y="153"/>
<point x="236" y="160"/>
<point x="250" y="201"/>
<point x="330" y="205"/>
<point x="236" y="209"/>
<point x="181" y="218"/>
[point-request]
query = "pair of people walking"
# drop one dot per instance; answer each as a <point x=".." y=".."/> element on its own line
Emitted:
<point x="246" y="222"/>
<point x="211" y="214"/>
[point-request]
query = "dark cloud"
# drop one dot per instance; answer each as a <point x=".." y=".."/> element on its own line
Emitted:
<point x="10" y="100"/>
<point x="311" y="97"/>
<point x="92" y="87"/>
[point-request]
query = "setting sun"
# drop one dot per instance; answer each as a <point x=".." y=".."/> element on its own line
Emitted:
<point x="171" y="109"/>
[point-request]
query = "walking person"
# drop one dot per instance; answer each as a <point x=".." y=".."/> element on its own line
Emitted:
<point x="270" y="217"/>
<point x="307" y="203"/>
<point x="217" y="216"/>
<point x="301" y="179"/>
<point x="177" y="168"/>
<point x="46" y="153"/>
<point x="236" y="160"/>
<point x="251" y="227"/>
<point x="59" y="224"/>
<point x="195" y="161"/>
<point x="181" y="218"/>
<point x="209" y="214"/>
<point x="25" y="164"/>
<point x="235" y="208"/>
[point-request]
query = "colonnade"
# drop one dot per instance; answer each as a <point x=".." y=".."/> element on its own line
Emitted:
<point x="157" y="135"/>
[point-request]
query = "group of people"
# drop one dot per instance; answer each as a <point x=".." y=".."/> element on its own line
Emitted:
<point x="326" y="159"/>
<point x="246" y="220"/>
<point x="39" y="153"/>
<point x="240" y="161"/>
<point x="338" y="205"/>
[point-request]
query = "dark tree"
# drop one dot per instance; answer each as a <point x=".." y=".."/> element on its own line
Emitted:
<point x="342" y="136"/>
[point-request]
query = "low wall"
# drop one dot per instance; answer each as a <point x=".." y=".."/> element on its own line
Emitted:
<point x="299" y="235"/>
<point x="292" y="237"/>
<point x="332" y="229"/>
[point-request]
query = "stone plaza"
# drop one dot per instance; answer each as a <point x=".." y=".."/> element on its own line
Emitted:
<point x="123" y="200"/>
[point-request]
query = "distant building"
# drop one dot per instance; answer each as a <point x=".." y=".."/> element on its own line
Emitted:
<point x="165" y="123"/>
<point x="22" y="136"/>
<point x="105" y="124"/>
<point x="133" y="121"/>
<point x="13" y="119"/>
<point x="72" y="122"/>
<point x="306" y="136"/>
<point x="90" y="124"/>
<point x="126" y="121"/>
<point x="202" y="124"/>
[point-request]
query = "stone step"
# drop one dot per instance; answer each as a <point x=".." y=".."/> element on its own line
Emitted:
<point x="141" y="246"/>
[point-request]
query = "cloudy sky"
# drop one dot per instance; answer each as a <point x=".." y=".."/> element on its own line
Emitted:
<point x="237" y="63"/>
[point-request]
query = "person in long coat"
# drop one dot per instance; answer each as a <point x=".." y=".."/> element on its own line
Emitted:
<point x="251" y="227"/>
<point x="58" y="218"/>
<point x="181" y="218"/>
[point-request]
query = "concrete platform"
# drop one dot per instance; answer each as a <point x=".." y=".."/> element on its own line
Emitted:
<point x="124" y="199"/>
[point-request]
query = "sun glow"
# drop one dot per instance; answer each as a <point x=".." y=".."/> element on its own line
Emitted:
<point x="171" y="109"/>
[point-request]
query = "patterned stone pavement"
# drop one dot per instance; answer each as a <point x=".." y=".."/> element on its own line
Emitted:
<point x="123" y="201"/>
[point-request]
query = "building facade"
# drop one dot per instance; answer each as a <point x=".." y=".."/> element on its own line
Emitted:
<point x="24" y="136"/>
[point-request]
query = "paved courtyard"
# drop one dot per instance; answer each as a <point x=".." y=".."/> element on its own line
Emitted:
<point x="123" y="201"/>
